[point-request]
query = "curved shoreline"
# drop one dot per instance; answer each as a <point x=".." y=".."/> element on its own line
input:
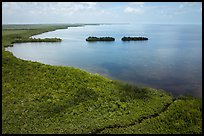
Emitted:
<point x="87" y="95"/>
<point x="66" y="27"/>
<point x="59" y="40"/>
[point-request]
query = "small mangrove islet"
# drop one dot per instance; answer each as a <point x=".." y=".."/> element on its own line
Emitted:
<point x="134" y="38"/>
<point x="93" y="39"/>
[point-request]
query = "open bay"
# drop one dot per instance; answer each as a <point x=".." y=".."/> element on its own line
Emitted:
<point x="170" y="60"/>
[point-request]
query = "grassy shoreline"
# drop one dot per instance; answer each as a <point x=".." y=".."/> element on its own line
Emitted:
<point x="39" y="98"/>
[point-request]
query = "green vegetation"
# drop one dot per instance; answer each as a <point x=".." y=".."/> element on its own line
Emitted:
<point x="23" y="33"/>
<point x="181" y="117"/>
<point x="37" y="40"/>
<point x="134" y="38"/>
<point x="39" y="98"/>
<point x="93" y="39"/>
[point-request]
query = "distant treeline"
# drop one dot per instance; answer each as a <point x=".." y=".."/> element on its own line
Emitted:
<point x="37" y="40"/>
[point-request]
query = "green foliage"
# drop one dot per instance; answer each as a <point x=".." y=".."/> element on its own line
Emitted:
<point x="23" y="34"/>
<point x="39" y="98"/>
<point x="134" y="38"/>
<point x="92" y="39"/>
<point x="37" y="40"/>
<point x="181" y="117"/>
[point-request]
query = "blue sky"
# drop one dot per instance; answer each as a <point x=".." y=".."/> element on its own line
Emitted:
<point x="102" y="12"/>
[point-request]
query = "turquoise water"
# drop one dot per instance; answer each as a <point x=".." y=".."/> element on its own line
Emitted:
<point x="170" y="60"/>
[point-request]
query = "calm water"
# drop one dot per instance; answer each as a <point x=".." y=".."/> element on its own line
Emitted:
<point x="171" y="59"/>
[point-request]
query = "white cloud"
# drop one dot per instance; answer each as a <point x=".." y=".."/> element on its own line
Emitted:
<point x="93" y="11"/>
<point x="137" y="4"/>
<point x="187" y="4"/>
<point x="72" y="7"/>
<point x="42" y="11"/>
<point x="49" y="6"/>
<point x="63" y="9"/>
<point x="133" y="10"/>
<point x="90" y="4"/>
<point x="190" y="3"/>
<point x="135" y="7"/>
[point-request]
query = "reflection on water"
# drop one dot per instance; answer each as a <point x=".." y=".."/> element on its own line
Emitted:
<point x="171" y="59"/>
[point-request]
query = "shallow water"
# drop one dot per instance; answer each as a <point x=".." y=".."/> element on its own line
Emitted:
<point x="170" y="60"/>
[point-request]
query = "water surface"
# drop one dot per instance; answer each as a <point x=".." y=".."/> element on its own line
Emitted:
<point x="170" y="60"/>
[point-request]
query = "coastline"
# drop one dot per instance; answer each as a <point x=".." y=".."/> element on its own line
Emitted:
<point x="96" y="84"/>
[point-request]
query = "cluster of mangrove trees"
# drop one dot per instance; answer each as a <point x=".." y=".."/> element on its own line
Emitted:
<point x="134" y="38"/>
<point x="90" y="39"/>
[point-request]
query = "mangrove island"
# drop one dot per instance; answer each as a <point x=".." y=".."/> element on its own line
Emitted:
<point x="93" y="39"/>
<point x="134" y="38"/>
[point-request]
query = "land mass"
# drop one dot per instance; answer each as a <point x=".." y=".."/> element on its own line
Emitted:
<point x="37" y="40"/>
<point x="93" y="39"/>
<point x="134" y="38"/>
<point x="44" y="99"/>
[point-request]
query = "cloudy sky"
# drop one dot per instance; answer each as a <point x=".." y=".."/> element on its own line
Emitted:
<point x="102" y="12"/>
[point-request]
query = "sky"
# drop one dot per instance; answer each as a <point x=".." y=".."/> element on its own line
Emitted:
<point x="102" y="12"/>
